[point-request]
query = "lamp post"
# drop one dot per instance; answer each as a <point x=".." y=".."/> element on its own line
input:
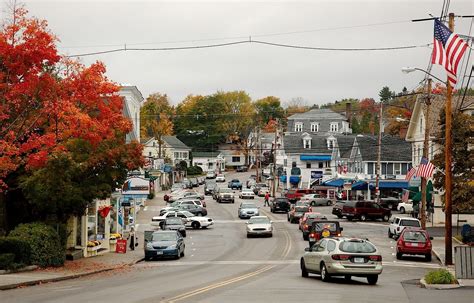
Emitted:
<point x="447" y="155"/>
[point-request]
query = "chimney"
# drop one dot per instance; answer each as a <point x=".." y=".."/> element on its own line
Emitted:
<point x="348" y="112"/>
<point x="403" y="131"/>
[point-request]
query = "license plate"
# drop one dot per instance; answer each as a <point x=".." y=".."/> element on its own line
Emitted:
<point x="159" y="252"/>
<point x="359" y="260"/>
<point x="414" y="244"/>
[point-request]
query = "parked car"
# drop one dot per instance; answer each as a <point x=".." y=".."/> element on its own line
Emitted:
<point x="258" y="186"/>
<point x="364" y="210"/>
<point x="210" y="175"/>
<point x="296" y="213"/>
<point x="316" y="200"/>
<point x="177" y="187"/>
<point x="225" y="195"/>
<point x="242" y="168"/>
<point x="306" y="222"/>
<point x="280" y="204"/>
<point x="398" y="224"/>
<point x="414" y="242"/>
<point x="323" y="229"/>
<point x="263" y="191"/>
<point x="295" y="194"/>
<point x="209" y="187"/>
<point x="164" y="243"/>
<point x="246" y="194"/>
<point x="235" y="184"/>
<point x="251" y="183"/>
<point x="174" y="223"/>
<point x="185" y="195"/>
<point x="187" y="183"/>
<point x="190" y="220"/>
<point x="220" y="178"/>
<point x="405" y="207"/>
<point x="389" y="202"/>
<point x="259" y="226"/>
<point x="337" y="209"/>
<point x="194" y="182"/>
<point x="342" y="257"/>
<point x="179" y="203"/>
<point x="247" y="210"/>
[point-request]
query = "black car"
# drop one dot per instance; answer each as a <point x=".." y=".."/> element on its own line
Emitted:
<point x="242" y="168"/>
<point x="209" y="188"/>
<point x="280" y="204"/>
<point x="174" y="223"/>
<point x="164" y="243"/>
<point x="389" y="202"/>
<point x="337" y="208"/>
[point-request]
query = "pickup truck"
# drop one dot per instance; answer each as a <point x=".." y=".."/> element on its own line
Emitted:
<point x="235" y="184"/>
<point x="225" y="195"/>
<point x="295" y="194"/>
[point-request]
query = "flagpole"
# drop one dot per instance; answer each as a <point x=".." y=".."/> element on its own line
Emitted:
<point x="448" y="241"/>
<point x="426" y="144"/>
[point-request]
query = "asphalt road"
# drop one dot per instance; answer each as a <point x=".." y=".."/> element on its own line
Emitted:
<point x="223" y="265"/>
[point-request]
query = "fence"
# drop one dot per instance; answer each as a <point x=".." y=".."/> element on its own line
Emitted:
<point x="464" y="262"/>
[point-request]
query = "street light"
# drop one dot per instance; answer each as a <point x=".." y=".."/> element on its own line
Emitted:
<point x="408" y="70"/>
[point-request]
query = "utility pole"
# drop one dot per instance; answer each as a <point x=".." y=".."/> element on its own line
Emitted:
<point x="448" y="241"/>
<point x="257" y="139"/>
<point x="379" y="155"/>
<point x="426" y="145"/>
<point x="274" y="157"/>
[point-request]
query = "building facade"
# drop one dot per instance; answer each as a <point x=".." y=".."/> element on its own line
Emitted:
<point x="319" y="121"/>
<point x="132" y="102"/>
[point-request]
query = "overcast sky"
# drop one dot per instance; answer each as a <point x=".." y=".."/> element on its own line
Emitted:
<point x="315" y="76"/>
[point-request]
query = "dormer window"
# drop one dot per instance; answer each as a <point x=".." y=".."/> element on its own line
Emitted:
<point x="314" y="127"/>
<point x="298" y="127"/>
<point x="334" y="127"/>
<point x="307" y="143"/>
<point x="331" y="142"/>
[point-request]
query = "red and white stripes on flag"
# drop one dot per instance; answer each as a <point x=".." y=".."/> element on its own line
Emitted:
<point x="448" y="50"/>
<point x="410" y="174"/>
<point x="425" y="169"/>
<point x="406" y="195"/>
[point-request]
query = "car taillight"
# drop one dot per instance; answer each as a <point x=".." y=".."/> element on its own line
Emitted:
<point x="305" y="227"/>
<point x="375" y="258"/>
<point x="340" y="257"/>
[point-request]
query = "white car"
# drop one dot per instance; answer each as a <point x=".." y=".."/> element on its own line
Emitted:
<point x="184" y="195"/>
<point x="190" y="219"/>
<point x="263" y="191"/>
<point x="246" y="194"/>
<point x="259" y="226"/>
<point x="210" y="175"/>
<point x="181" y="202"/>
<point x="405" y="207"/>
<point x="220" y="178"/>
<point x="398" y="224"/>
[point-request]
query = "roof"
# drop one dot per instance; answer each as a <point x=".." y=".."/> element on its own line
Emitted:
<point x="393" y="148"/>
<point x="206" y="154"/>
<point x="293" y="143"/>
<point x="319" y="114"/>
<point x="345" y="144"/>
<point x="174" y="142"/>
<point x="267" y="137"/>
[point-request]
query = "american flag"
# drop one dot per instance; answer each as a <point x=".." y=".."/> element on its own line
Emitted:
<point x="425" y="169"/>
<point x="410" y="174"/>
<point x="448" y="50"/>
<point x="406" y="195"/>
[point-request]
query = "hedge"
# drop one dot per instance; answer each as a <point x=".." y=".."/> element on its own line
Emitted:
<point x="439" y="276"/>
<point x="7" y="261"/>
<point x="45" y="243"/>
<point x="20" y="249"/>
<point x="194" y="170"/>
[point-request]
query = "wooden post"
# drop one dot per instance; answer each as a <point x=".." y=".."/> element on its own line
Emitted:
<point x="447" y="155"/>
<point x="257" y="139"/>
<point x="274" y="158"/>
<point x="426" y="144"/>
<point x="379" y="156"/>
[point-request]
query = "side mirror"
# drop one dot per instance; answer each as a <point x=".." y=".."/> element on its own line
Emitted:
<point x="431" y="238"/>
<point x="307" y="249"/>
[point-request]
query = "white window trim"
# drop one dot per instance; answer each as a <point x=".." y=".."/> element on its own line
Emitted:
<point x="298" y="127"/>
<point x="314" y="127"/>
<point x="334" y="127"/>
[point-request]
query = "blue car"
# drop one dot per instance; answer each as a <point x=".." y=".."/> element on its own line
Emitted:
<point x="164" y="244"/>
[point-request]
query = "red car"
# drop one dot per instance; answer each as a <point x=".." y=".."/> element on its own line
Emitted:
<point x="414" y="242"/>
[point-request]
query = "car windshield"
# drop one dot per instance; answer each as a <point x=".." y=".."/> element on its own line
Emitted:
<point x="174" y="221"/>
<point x="187" y="213"/>
<point x="301" y="209"/>
<point x="413" y="223"/>
<point x="357" y="246"/>
<point x="235" y="181"/>
<point x="311" y="220"/>
<point x="248" y="205"/>
<point x="164" y="237"/>
<point x="255" y="220"/>
<point x="247" y="191"/>
<point x="414" y="236"/>
<point x="324" y="225"/>
<point x="225" y="190"/>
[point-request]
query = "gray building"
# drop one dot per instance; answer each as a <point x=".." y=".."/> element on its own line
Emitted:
<point x="318" y="121"/>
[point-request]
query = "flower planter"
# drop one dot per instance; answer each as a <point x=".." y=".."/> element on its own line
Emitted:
<point x="113" y="242"/>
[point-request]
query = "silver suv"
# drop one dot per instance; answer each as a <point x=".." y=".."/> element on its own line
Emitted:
<point x="225" y="195"/>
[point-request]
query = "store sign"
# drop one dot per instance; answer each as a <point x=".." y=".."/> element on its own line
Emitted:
<point x="121" y="246"/>
<point x="316" y="174"/>
<point x="136" y="186"/>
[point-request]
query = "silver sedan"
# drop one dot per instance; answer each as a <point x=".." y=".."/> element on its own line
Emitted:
<point x="342" y="257"/>
<point x="259" y="226"/>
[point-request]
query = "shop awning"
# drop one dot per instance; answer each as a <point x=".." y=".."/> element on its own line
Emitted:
<point x="361" y="185"/>
<point x="335" y="183"/>
<point x="384" y="184"/>
<point x="315" y="157"/>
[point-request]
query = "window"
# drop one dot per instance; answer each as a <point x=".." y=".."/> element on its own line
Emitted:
<point x="370" y="168"/>
<point x="315" y="127"/>
<point x="320" y="164"/>
<point x="334" y="127"/>
<point x="331" y="245"/>
<point x="308" y="164"/>
<point x="384" y="168"/>
<point x="176" y="155"/>
<point x="307" y="143"/>
<point x="404" y="168"/>
<point x="149" y="154"/>
<point x="235" y="159"/>
<point x="421" y="125"/>
<point x="397" y="168"/>
<point x="389" y="168"/>
<point x="298" y="127"/>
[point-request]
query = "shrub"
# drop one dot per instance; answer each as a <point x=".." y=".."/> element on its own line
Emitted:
<point x="439" y="276"/>
<point x="7" y="261"/>
<point x="194" y="170"/>
<point x="18" y="247"/>
<point x="45" y="243"/>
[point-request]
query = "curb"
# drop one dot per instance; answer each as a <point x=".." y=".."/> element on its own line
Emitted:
<point x="70" y="277"/>
<point x="26" y="268"/>
<point x="438" y="286"/>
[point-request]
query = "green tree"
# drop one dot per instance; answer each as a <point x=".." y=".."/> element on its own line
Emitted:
<point x="386" y="94"/>
<point x="462" y="161"/>
<point x="268" y="108"/>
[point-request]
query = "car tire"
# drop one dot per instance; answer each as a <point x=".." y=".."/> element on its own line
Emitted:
<point x="248" y="235"/>
<point x="390" y="235"/>
<point x="390" y="206"/>
<point x="399" y="256"/>
<point x="182" y="254"/>
<point x="304" y="272"/>
<point x="184" y="235"/>
<point x="372" y="279"/>
<point x="305" y="237"/>
<point x="347" y="277"/>
<point x="148" y="258"/>
<point x="428" y="257"/>
<point x="349" y="218"/>
<point x="325" y="277"/>
<point x="288" y="218"/>
<point x="385" y="218"/>
<point x="339" y="216"/>
<point x="402" y="210"/>
<point x="195" y="225"/>
<point x="363" y="217"/>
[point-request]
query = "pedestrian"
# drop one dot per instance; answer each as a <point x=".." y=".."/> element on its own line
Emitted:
<point x="267" y="197"/>
<point x="133" y="240"/>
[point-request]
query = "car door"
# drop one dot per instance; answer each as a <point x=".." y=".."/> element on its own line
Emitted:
<point x="376" y="210"/>
<point x="318" y="254"/>
<point x="393" y="226"/>
<point x="309" y="258"/>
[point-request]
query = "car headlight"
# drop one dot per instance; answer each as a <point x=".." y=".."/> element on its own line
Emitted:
<point x="172" y="246"/>
<point x="149" y="245"/>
